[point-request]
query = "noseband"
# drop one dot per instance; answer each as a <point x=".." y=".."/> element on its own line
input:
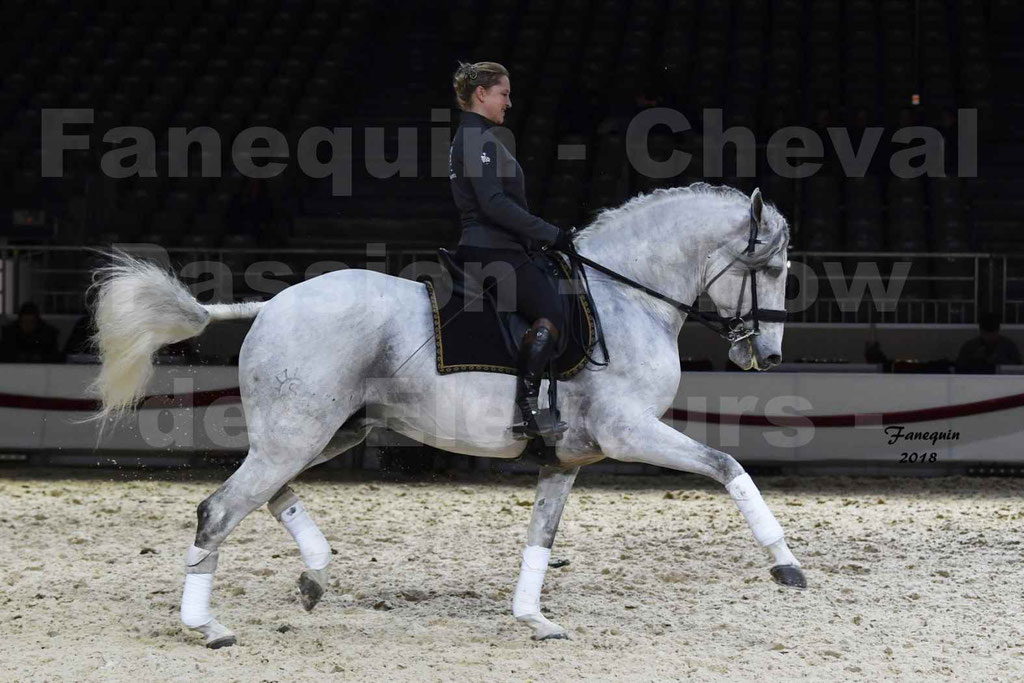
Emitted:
<point x="732" y="328"/>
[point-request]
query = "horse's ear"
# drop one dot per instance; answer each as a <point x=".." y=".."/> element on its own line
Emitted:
<point x="756" y="205"/>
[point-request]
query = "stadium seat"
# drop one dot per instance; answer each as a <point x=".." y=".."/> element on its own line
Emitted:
<point x="767" y="64"/>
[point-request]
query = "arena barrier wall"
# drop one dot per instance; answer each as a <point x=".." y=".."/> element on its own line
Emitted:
<point x="773" y="416"/>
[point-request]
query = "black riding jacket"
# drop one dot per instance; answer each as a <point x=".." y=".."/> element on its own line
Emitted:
<point x="490" y="191"/>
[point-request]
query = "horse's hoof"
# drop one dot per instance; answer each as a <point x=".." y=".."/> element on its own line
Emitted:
<point x="217" y="634"/>
<point x="226" y="641"/>
<point x="561" y="635"/>
<point x="789" y="575"/>
<point x="543" y="629"/>
<point x="311" y="587"/>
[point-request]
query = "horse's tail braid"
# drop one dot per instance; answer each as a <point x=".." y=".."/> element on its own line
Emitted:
<point x="138" y="308"/>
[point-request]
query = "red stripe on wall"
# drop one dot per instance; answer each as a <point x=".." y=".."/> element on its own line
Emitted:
<point x="198" y="399"/>
<point x="990" y="405"/>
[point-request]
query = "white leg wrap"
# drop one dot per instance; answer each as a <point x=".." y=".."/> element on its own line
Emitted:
<point x="199" y="561"/>
<point x="526" y="602"/>
<point x="195" y="600"/>
<point x="313" y="547"/>
<point x="765" y="527"/>
<point x="781" y="553"/>
<point x="531" y="578"/>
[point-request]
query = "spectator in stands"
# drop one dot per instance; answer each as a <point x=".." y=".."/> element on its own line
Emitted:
<point x="874" y="354"/>
<point x="78" y="343"/>
<point x="982" y="354"/>
<point x="29" y="339"/>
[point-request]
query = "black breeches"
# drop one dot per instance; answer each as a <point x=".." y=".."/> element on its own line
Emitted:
<point x="528" y="290"/>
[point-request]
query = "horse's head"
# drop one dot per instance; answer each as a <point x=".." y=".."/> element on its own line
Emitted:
<point x="756" y="249"/>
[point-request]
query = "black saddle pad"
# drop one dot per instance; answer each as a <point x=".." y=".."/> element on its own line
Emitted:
<point x="478" y="340"/>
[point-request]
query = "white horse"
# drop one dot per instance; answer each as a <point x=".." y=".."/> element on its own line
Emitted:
<point x="318" y="369"/>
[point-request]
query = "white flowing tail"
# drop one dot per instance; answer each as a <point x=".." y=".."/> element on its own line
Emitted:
<point x="140" y="307"/>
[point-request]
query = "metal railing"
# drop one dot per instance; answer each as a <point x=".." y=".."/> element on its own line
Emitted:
<point x="824" y="287"/>
<point x="893" y="287"/>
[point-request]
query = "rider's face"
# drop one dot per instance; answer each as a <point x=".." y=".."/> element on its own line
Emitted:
<point x="493" y="101"/>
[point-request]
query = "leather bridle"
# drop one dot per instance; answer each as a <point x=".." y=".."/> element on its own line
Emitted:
<point x="732" y="328"/>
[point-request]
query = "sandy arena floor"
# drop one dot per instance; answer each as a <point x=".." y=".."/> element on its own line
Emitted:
<point x="909" y="580"/>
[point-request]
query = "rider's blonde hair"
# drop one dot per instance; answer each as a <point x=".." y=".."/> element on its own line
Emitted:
<point x="468" y="76"/>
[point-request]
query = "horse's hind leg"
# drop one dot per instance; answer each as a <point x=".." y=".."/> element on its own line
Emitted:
<point x="654" y="442"/>
<point x="252" y="485"/>
<point x="313" y="547"/>
<point x="553" y="489"/>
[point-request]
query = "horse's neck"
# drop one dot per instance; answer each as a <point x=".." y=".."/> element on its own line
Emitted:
<point x="655" y="249"/>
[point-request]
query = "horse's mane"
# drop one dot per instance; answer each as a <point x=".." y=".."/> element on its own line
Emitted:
<point x="773" y="234"/>
<point x="774" y="228"/>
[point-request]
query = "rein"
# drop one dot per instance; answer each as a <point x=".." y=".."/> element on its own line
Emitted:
<point x="731" y="328"/>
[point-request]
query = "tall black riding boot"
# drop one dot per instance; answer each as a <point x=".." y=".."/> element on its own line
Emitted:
<point x="538" y="347"/>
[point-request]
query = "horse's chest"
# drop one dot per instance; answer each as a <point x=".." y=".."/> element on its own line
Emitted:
<point x="650" y="359"/>
<point x="637" y="374"/>
<point x="657" y="380"/>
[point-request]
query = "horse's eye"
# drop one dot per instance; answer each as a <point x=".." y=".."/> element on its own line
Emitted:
<point x="773" y="271"/>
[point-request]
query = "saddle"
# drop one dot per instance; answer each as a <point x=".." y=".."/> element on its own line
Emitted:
<point x="475" y="336"/>
<point x="471" y="334"/>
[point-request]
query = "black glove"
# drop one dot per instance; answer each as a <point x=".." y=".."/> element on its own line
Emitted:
<point x="563" y="242"/>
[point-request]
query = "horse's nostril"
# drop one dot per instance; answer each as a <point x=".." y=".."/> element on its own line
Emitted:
<point x="774" y="359"/>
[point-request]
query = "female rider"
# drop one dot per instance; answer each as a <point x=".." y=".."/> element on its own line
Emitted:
<point x="497" y="228"/>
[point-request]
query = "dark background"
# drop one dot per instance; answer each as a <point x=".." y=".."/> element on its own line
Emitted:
<point x="581" y="69"/>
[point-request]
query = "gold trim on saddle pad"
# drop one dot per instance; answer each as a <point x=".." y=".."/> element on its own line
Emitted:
<point x="445" y="368"/>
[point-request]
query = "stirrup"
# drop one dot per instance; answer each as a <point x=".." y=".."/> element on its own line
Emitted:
<point x="543" y="425"/>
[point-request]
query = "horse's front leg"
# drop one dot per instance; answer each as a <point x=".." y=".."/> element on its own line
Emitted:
<point x="553" y="489"/>
<point x="655" y="443"/>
